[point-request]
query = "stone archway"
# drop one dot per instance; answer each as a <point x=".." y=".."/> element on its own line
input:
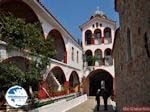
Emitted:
<point x="74" y="83"/>
<point x="94" y="81"/>
<point x="56" y="79"/>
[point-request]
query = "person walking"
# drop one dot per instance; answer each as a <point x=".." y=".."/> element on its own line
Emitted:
<point x="98" y="99"/>
<point x="104" y="93"/>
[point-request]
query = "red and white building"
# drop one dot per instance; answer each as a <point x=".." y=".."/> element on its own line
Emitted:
<point x="69" y="67"/>
<point x="97" y="41"/>
<point x="66" y="68"/>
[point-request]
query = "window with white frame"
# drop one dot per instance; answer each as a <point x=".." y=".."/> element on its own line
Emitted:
<point x="72" y="54"/>
<point x="77" y="56"/>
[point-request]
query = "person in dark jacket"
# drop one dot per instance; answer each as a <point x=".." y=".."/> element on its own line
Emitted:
<point x="104" y="93"/>
<point x="98" y="99"/>
<point x="105" y="97"/>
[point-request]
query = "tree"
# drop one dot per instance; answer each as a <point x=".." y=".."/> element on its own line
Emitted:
<point x="10" y="75"/>
<point x="25" y="36"/>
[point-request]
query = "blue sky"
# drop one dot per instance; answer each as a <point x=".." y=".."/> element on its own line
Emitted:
<point x="73" y="13"/>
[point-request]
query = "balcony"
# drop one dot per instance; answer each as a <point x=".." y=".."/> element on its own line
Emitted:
<point x="108" y="61"/>
<point x="107" y="40"/>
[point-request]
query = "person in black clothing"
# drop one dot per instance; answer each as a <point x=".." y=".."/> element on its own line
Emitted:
<point x="98" y="99"/>
<point x="104" y="94"/>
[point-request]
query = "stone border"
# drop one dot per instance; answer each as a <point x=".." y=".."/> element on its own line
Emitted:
<point x="62" y="106"/>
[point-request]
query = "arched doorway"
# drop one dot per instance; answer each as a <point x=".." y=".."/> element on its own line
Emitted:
<point x="55" y="80"/>
<point x="74" y="83"/>
<point x="59" y="45"/>
<point x="94" y="81"/>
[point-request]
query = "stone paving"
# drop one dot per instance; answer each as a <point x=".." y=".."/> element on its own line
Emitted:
<point x="90" y="106"/>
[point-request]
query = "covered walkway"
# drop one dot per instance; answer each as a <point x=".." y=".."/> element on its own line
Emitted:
<point x="90" y="106"/>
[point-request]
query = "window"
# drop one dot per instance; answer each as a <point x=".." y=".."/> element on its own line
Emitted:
<point x="88" y="37"/>
<point x="108" y="57"/>
<point x="139" y="30"/>
<point x="147" y="45"/>
<point x="108" y="52"/>
<point x="100" y="24"/>
<point x="88" y="54"/>
<point x="72" y="54"/>
<point x="107" y="32"/>
<point x="129" y="44"/>
<point x="97" y="33"/>
<point x="96" y="24"/>
<point x="77" y="57"/>
<point x="93" y="25"/>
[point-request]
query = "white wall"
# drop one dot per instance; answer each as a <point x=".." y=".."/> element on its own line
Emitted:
<point x="89" y="26"/>
<point x="48" y="22"/>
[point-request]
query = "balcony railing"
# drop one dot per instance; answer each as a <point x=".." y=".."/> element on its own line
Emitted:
<point x="99" y="62"/>
<point x="108" y="61"/>
<point x="107" y="40"/>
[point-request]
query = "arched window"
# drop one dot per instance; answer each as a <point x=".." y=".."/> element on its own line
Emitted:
<point x="97" y="35"/>
<point x="107" y="35"/>
<point x="88" y="37"/>
<point x="74" y="83"/>
<point x="77" y="56"/>
<point x="129" y="49"/>
<point x="88" y="54"/>
<point x="98" y="56"/>
<point x="55" y="79"/>
<point x="59" y="45"/>
<point x="147" y="44"/>
<point x="72" y="54"/>
<point x="107" y="32"/>
<point x="108" y="57"/>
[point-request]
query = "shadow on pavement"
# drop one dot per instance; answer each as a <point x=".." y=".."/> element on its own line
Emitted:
<point x="101" y="109"/>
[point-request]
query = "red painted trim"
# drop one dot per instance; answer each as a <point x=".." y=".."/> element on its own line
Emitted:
<point x="41" y="92"/>
<point x="92" y="41"/>
<point x="102" y="39"/>
<point x="65" y="57"/>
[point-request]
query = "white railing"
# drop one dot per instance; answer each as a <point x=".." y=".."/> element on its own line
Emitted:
<point x="107" y="40"/>
<point x="108" y="60"/>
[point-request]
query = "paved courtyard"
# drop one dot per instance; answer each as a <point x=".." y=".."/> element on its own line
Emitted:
<point x="90" y="106"/>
